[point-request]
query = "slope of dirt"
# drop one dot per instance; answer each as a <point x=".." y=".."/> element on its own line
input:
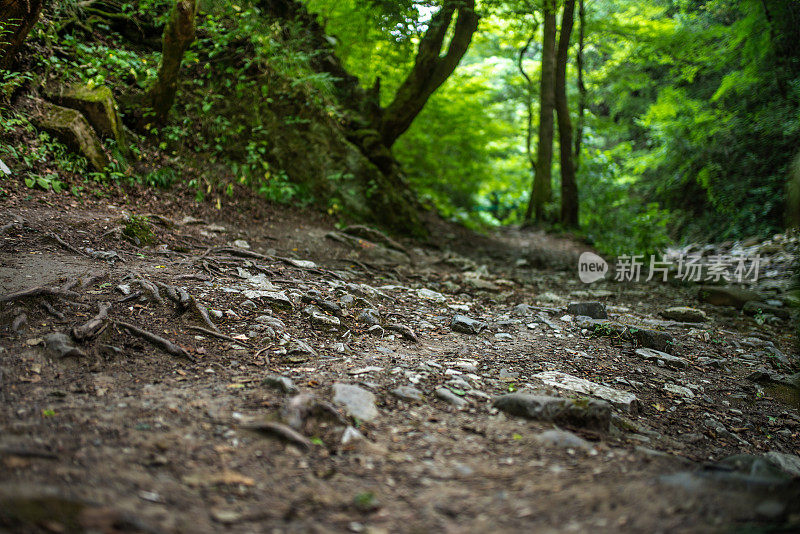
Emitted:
<point x="249" y="429"/>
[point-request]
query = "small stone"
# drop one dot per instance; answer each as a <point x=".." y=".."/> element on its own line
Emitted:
<point x="298" y="346"/>
<point x="467" y="325"/>
<point x="369" y="316"/>
<point x="652" y="339"/>
<point x="364" y="370"/>
<point x="503" y="336"/>
<point x="428" y="294"/>
<point x="595" y="310"/>
<point x="450" y="397"/>
<point x="318" y="317"/>
<point x="276" y="299"/>
<point x="563" y="439"/>
<point x="358" y="402"/>
<point x="62" y="346"/>
<point x="619" y="398"/>
<point x="679" y="390"/>
<point x="685" y="314"/>
<point x="669" y="360"/>
<point x="788" y="463"/>
<point x="241" y="243"/>
<point x="407" y="393"/>
<point x="281" y="383"/>
<point x="585" y="413"/>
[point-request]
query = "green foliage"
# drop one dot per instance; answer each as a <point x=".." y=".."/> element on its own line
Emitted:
<point x="139" y="230"/>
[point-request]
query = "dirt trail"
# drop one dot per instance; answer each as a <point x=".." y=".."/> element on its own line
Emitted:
<point x="321" y="382"/>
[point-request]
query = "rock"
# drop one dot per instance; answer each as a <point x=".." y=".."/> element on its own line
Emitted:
<point x="272" y="322"/>
<point x="281" y="383"/>
<point x="429" y="294"/>
<point x="652" y="339"/>
<point x="685" y="314"/>
<point x="562" y="439"/>
<point x="595" y="310"/>
<point x="466" y="325"/>
<point x="358" y="402"/>
<point x="620" y="399"/>
<point x="97" y="104"/>
<point x="318" y="317"/>
<point x="584" y="413"/>
<point x="450" y="397"/>
<point x="62" y="346"/>
<point x="727" y="296"/>
<point x="276" y="299"/>
<point x="407" y="393"/>
<point x="298" y="346"/>
<point x="479" y="283"/>
<point x="71" y="127"/>
<point x="656" y="355"/>
<point x="241" y="243"/>
<point x="679" y="390"/>
<point x="719" y="429"/>
<point x="788" y="463"/>
<point x="756" y="308"/>
<point x="369" y="316"/>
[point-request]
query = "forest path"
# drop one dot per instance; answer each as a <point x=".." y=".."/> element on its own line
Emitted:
<point x="261" y="371"/>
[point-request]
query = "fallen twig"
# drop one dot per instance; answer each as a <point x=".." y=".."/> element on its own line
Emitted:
<point x="164" y="344"/>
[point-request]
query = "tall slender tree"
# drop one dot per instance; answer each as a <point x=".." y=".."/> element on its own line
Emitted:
<point x="541" y="191"/>
<point x="569" y="187"/>
<point x="581" y="84"/>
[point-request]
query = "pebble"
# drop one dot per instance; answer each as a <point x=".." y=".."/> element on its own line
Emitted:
<point x="450" y="397"/>
<point x="407" y="393"/>
<point x="357" y="401"/>
<point x="467" y="325"/>
<point x="595" y="310"/>
<point x="617" y="397"/>
<point x="667" y="359"/>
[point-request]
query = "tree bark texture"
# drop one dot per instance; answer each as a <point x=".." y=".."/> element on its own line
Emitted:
<point x="581" y="84"/>
<point x="544" y="152"/>
<point x="569" y="187"/>
<point x="17" y="18"/>
<point x="178" y="35"/>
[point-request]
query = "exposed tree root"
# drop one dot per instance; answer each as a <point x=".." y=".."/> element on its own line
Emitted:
<point x="164" y="344"/>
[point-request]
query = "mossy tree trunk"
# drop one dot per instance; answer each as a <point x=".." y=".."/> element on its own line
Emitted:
<point x="17" y="17"/>
<point x="178" y="35"/>
<point x="569" y="186"/>
<point x="541" y="191"/>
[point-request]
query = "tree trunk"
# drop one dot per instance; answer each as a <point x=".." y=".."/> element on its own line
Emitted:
<point x="178" y="35"/>
<point x="17" y="17"/>
<point x="569" y="187"/>
<point x="431" y="69"/>
<point x="581" y="85"/>
<point x="544" y="153"/>
<point x="528" y="101"/>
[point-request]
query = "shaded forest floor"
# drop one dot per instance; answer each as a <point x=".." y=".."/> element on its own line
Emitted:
<point x="256" y="427"/>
